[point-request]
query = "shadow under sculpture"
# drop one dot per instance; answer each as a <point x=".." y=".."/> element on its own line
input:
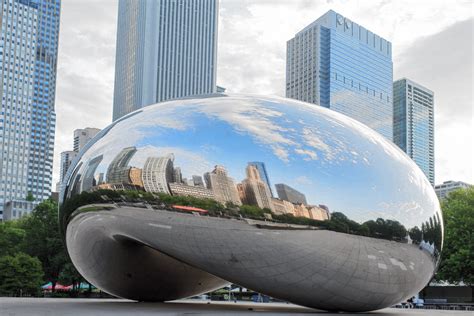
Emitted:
<point x="283" y="197"/>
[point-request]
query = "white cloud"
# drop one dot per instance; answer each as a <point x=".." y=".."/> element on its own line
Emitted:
<point x="310" y="155"/>
<point x="303" y="180"/>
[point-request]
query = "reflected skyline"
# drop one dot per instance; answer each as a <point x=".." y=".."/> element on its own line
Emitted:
<point x="160" y="175"/>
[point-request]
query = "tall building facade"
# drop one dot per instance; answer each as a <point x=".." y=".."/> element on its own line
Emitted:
<point x="287" y="193"/>
<point x="28" y="58"/>
<point x="413" y="123"/>
<point x="442" y="190"/>
<point x="88" y="181"/>
<point x="157" y="173"/>
<point x="118" y="170"/>
<point x="165" y="50"/>
<point x="83" y="136"/>
<point x="221" y="184"/>
<point x="263" y="173"/>
<point x="338" y="64"/>
<point x="254" y="190"/>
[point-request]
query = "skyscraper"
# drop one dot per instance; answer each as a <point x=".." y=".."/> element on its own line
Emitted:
<point x="28" y="57"/>
<point x="83" y="136"/>
<point x="157" y="173"/>
<point x="254" y="190"/>
<point x="197" y="180"/>
<point x="287" y="193"/>
<point x="165" y="50"/>
<point x="88" y="179"/>
<point x="221" y="184"/>
<point x="263" y="173"/>
<point x="118" y="170"/>
<point x="177" y="175"/>
<point x="413" y="123"/>
<point x="340" y="65"/>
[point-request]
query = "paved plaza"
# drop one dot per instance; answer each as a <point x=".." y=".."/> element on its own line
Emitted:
<point x="58" y="306"/>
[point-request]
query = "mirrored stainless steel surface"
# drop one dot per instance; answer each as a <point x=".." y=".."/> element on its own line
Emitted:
<point x="283" y="197"/>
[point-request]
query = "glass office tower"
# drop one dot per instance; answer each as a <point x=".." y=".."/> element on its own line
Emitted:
<point x="28" y="56"/>
<point x="263" y="173"/>
<point x="340" y="65"/>
<point x="413" y="123"/>
<point x="165" y="50"/>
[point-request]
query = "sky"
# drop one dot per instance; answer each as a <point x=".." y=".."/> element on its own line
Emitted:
<point x="432" y="43"/>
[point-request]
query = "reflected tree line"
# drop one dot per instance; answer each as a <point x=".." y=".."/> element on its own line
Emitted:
<point x="430" y="231"/>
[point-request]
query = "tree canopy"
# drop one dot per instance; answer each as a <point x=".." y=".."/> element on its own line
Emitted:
<point x="43" y="240"/>
<point x="457" y="259"/>
<point x="20" y="274"/>
<point x="12" y="238"/>
<point x="32" y="253"/>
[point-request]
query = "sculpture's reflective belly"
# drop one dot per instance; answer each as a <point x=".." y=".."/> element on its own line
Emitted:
<point x="283" y="197"/>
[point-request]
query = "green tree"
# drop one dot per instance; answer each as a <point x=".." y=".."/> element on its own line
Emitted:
<point x="457" y="259"/>
<point x="12" y="238"/>
<point x="20" y="274"/>
<point x="43" y="240"/>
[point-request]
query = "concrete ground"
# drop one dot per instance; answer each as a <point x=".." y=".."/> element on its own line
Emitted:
<point x="58" y="306"/>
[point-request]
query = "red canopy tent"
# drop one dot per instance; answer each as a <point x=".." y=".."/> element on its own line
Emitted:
<point x="59" y="287"/>
<point x="190" y="209"/>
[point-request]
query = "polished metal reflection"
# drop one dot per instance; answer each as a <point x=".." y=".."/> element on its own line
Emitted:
<point x="286" y="198"/>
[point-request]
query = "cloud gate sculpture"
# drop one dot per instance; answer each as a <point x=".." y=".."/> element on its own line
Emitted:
<point x="283" y="197"/>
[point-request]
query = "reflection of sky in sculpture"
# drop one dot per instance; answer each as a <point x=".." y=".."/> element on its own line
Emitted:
<point x="332" y="159"/>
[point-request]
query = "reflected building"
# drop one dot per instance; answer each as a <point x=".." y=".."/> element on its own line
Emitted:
<point x="413" y="123"/>
<point x="115" y="187"/>
<point x="241" y="192"/>
<point x="338" y="64"/>
<point x="263" y="173"/>
<point x="221" y="185"/>
<point x="88" y="180"/>
<point x="177" y="175"/>
<point x="197" y="180"/>
<point x="157" y="173"/>
<point x="301" y="211"/>
<point x="118" y="170"/>
<point x="135" y="176"/>
<point x="318" y="213"/>
<point x="255" y="191"/>
<point x="188" y="190"/>
<point x="287" y="193"/>
<point x="101" y="178"/>
<point x="281" y="207"/>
